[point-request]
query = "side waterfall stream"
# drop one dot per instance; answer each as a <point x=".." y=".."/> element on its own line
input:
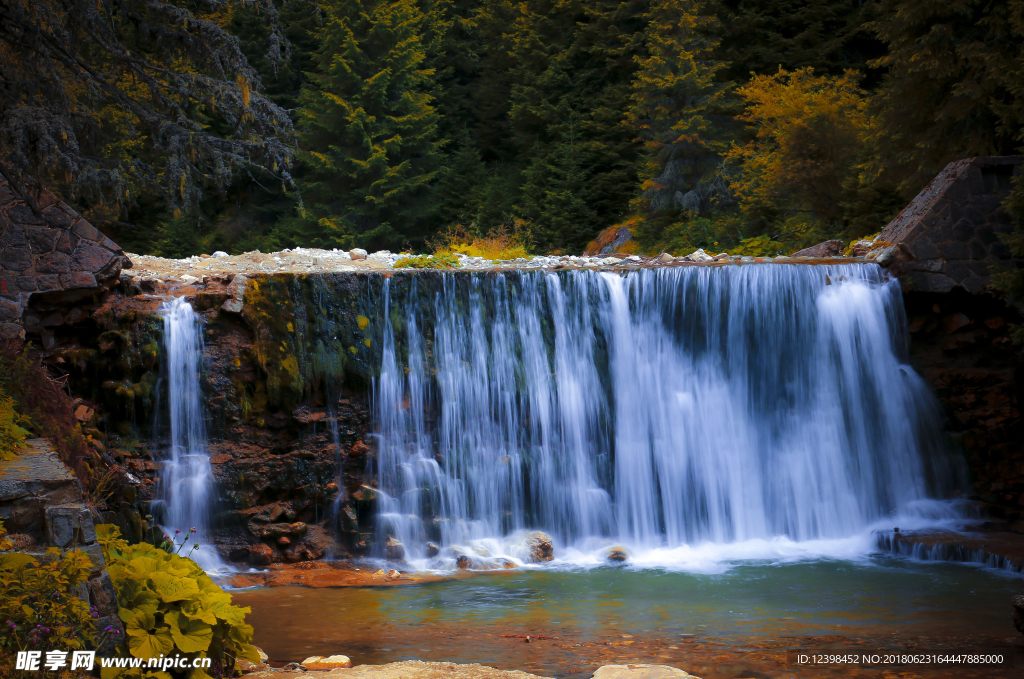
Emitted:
<point x="693" y="415"/>
<point x="187" y="484"/>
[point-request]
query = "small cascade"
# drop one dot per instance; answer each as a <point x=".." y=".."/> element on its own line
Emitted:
<point x="186" y="482"/>
<point x="657" y="409"/>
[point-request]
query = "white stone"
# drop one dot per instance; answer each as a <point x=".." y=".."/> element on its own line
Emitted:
<point x="219" y="254"/>
<point x="357" y="253"/>
<point x="318" y="662"/>
<point x="189" y="280"/>
<point x="633" y="258"/>
<point x="610" y="260"/>
<point x="700" y="256"/>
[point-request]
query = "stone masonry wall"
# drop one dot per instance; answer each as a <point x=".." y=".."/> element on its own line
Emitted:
<point x="950" y="234"/>
<point x="59" y="255"/>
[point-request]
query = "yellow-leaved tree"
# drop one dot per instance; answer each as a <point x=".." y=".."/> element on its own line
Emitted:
<point x="808" y="133"/>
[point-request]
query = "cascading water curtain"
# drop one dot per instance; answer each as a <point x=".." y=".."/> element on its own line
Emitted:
<point x="661" y="407"/>
<point x="187" y="477"/>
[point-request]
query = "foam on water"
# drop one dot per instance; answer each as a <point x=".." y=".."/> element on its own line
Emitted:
<point x="696" y="416"/>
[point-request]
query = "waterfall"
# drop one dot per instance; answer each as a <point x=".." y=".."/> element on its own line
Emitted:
<point x="186" y="480"/>
<point x="660" y="409"/>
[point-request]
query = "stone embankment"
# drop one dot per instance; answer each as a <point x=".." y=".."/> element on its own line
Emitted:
<point x="157" y="273"/>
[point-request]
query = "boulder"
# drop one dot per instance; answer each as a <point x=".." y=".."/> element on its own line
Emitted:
<point x="263" y="555"/>
<point x="394" y="550"/>
<point x="617" y="554"/>
<point x="641" y="671"/>
<point x="539" y="547"/>
<point x="699" y="256"/>
<point x="830" y="248"/>
<point x="861" y="248"/>
<point x="357" y="253"/>
<point x="463" y="563"/>
<point x="276" y="531"/>
<point x="1018" y="612"/>
<point x="665" y="258"/>
<point x="330" y="662"/>
<point x="432" y="550"/>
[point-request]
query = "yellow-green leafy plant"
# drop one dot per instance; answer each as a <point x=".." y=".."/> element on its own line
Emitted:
<point x="170" y="607"/>
<point x="12" y="434"/>
<point x="38" y="609"/>
<point x="440" y="260"/>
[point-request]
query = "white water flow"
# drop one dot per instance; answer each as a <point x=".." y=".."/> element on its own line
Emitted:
<point x="694" y="415"/>
<point x="187" y="483"/>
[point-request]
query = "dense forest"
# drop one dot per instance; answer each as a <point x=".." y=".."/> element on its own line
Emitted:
<point x="753" y="126"/>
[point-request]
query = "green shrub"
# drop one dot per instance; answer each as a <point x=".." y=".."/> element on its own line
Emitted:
<point x="12" y="435"/>
<point x="439" y="260"/>
<point x="38" y="610"/>
<point x="170" y="607"/>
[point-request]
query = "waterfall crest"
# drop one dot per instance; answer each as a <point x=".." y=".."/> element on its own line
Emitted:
<point x="186" y="480"/>
<point x="656" y="409"/>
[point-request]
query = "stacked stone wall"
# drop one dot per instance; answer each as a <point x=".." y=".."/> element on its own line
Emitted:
<point x="950" y="235"/>
<point x="56" y="254"/>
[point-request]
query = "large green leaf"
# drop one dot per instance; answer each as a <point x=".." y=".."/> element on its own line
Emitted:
<point x="145" y="639"/>
<point x="173" y="588"/>
<point x="233" y="615"/>
<point x="134" y="595"/>
<point x="248" y="652"/>
<point x="197" y="610"/>
<point x="190" y="636"/>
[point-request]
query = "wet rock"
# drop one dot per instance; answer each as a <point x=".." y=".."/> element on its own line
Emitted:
<point x="464" y="563"/>
<point x="539" y="546"/>
<point x="618" y="554"/>
<point x="392" y="575"/>
<point x="263" y="555"/>
<point x="640" y="671"/>
<point x="861" y="248"/>
<point x="830" y="248"/>
<point x="276" y="531"/>
<point x="1018" y="612"/>
<point x="318" y="662"/>
<point x="394" y="550"/>
<point x="432" y="550"/>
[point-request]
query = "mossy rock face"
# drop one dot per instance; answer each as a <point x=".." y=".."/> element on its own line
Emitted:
<point x="311" y="333"/>
<point x="118" y="364"/>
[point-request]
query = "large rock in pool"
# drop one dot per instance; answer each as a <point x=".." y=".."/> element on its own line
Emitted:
<point x="539" y="547"/>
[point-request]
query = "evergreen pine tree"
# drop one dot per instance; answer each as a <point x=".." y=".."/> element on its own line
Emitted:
<point x="953" y="87"/>
<point x="368" y="131"/>
<point x="760" y="36"/>
<point x="574" y="63"/>
<point x="678" y="110"/>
